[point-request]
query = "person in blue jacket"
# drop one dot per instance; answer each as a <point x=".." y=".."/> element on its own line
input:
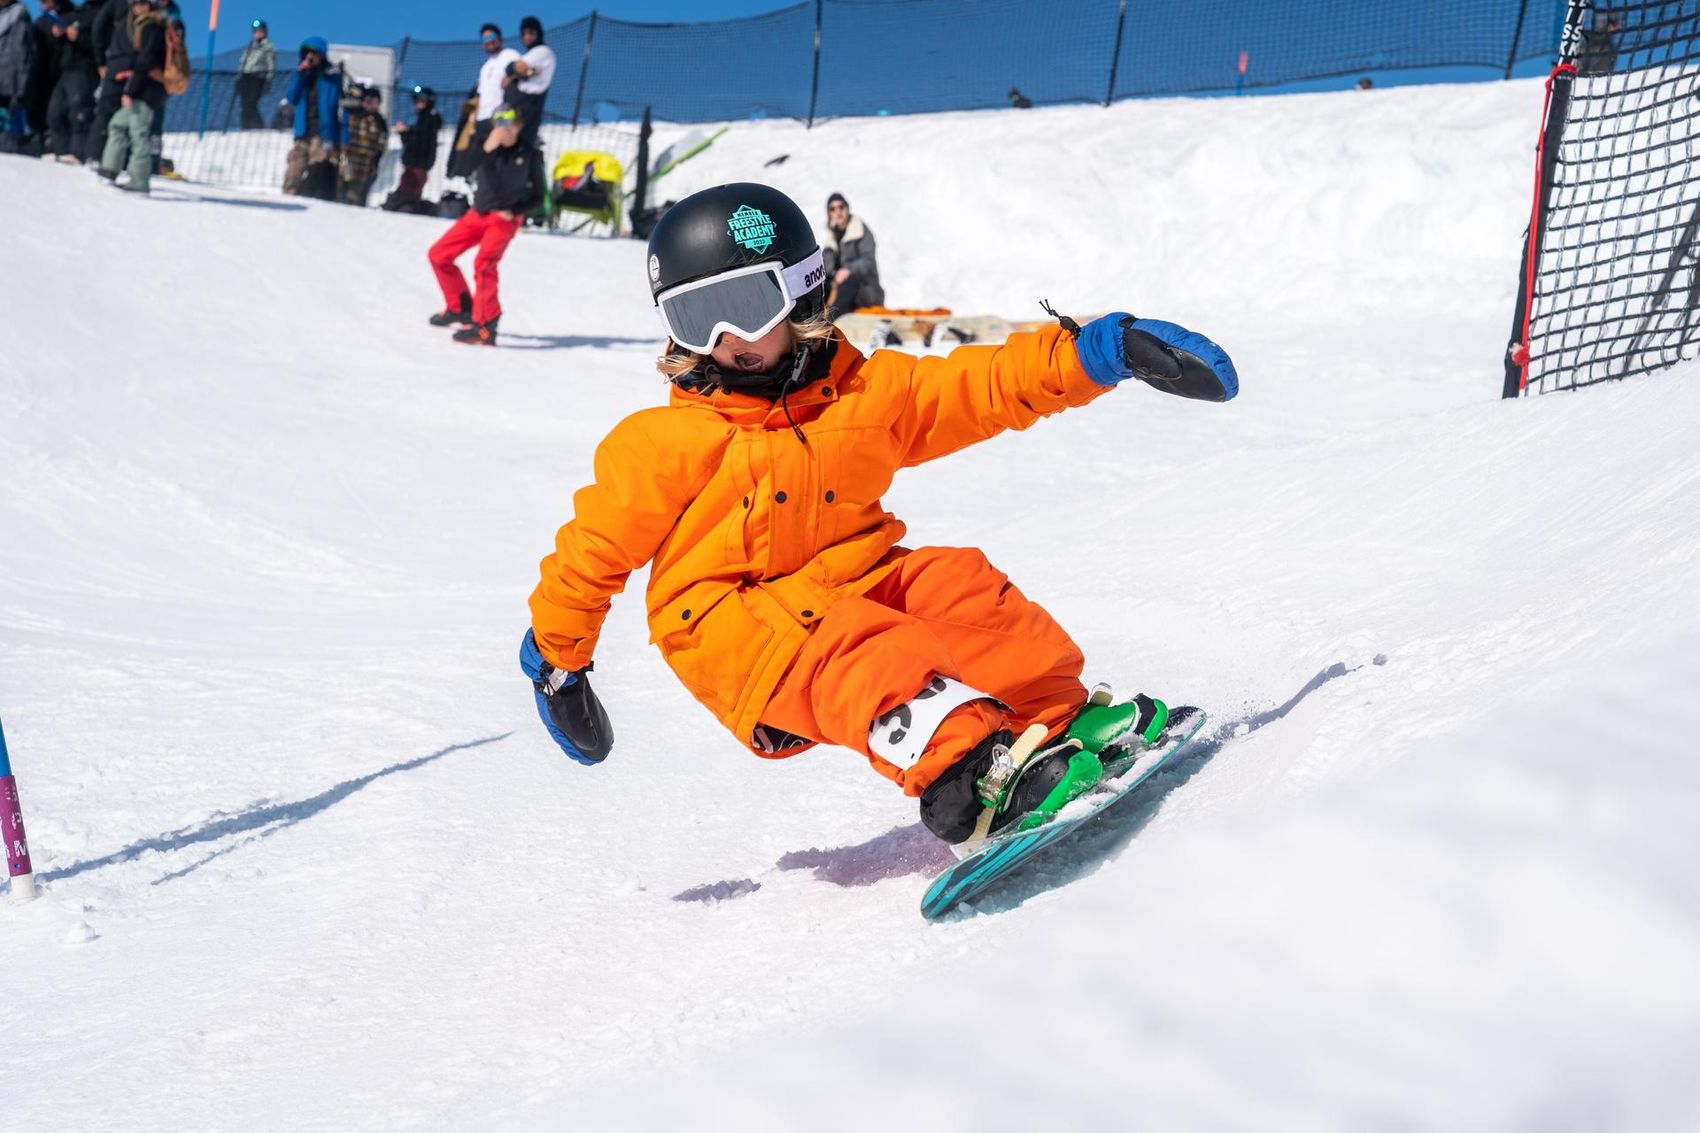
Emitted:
<point x="316" y="96"/>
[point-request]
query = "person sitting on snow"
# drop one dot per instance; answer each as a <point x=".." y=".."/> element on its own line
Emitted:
<point x="853" y="274"/>
<point x="778" y="592"/>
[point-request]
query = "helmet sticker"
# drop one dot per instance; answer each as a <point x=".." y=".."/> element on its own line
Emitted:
<point x="751" y="228"/>
<point x="655" y="269"/>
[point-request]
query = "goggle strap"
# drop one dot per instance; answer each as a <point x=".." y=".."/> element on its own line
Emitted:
<point x="801" y="278"/>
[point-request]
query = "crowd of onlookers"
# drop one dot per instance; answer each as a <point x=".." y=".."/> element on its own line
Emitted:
<point x="88" y="83"/>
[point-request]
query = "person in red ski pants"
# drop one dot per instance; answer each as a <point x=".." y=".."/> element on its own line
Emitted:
<point x="503" y="192"/>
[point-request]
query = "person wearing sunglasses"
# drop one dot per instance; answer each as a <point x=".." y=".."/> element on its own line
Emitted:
<point x="505" y="187"/>
<point x="492" y="78"/>
<point x="779" y="592"/>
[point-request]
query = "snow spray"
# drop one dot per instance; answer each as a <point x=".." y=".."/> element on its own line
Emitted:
<point x="12" y="829"/>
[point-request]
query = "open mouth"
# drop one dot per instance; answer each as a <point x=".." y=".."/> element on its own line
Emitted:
<point x="749" y="363"/>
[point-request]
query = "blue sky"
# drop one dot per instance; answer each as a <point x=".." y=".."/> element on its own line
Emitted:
<point x="384" y="22"/>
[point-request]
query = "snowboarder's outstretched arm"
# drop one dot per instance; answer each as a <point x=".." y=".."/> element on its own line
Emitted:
<point x="976" y="392"/>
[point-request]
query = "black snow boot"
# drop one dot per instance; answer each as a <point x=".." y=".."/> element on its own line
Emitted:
<point x="449" y="316"/>
<point x="479" y="334"/>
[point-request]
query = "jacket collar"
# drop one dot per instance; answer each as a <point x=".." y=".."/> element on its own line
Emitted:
<point x="852" y="231"/>
<point x="805" y="401"/>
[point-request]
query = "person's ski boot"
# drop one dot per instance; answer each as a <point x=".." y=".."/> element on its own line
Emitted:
<point x="450" y="316"/>
<point x="479" y="334"/>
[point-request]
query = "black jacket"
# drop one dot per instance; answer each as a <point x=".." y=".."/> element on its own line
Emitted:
<point x="138" y="47"/>
<point x="72" y="55"/>
<point x="103" y="24"/>
<point x="419" y="144"/>
<point x="506" y="179"/>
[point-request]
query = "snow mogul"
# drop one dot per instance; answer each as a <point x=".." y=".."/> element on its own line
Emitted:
<point x="779" y="593"/>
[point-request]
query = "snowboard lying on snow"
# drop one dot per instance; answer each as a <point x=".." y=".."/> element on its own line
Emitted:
<point x="994" y="859"/>
<point x="936" y="331"/>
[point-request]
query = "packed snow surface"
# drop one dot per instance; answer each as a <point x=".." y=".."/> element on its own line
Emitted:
<point x="308" y="860"/>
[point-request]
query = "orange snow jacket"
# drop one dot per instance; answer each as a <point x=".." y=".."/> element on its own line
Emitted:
<point x="755" y="534"/>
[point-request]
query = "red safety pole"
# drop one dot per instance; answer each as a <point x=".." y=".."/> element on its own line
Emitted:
<point x="12" y="828"/>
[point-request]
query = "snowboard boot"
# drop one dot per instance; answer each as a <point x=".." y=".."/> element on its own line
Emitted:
<point x="450" y="316"/>
<point x="1007" y="784"/>
<point x="479" y="334"/>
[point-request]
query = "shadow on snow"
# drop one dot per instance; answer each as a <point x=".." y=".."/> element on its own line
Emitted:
<point x="912" y="849"/>
<point x="261" y="820"/>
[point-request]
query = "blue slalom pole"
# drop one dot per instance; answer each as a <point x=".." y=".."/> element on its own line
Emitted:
<point x="206" y="87"/>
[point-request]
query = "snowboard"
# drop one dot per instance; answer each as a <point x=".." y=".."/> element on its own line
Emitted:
<point x="926" y="332"/>
<point x="1002" y="854"/>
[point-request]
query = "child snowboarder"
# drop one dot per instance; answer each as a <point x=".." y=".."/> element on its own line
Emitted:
<point x="504" y="189"/>
<point x="778" y="592"/>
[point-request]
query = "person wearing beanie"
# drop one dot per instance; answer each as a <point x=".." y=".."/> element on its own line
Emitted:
<point x="529" y="77"/>
<point x="254" y="75"/>
<point x="504" y="188"/>
<point x="853" y="275"/>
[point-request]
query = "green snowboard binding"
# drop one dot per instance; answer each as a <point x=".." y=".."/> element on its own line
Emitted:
<point x="1030" y="782"/>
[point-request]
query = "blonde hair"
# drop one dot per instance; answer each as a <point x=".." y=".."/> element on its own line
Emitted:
<point x="816" y="328"/>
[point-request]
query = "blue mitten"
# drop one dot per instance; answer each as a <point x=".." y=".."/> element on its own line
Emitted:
<point x="568" y="706"/>
<point x="1163" y="355"/>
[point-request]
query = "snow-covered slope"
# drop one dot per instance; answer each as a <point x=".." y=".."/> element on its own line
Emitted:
<point x="308" y="858"/>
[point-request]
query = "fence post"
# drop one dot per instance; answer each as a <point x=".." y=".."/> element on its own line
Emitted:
<point x="1518" y="351"/>
<point x="584" y="66"/>
<point x="1516" y="35"/>
<point x="640" y="193"/>
<point x="814" y="86"/>
<point x="1116" y="55"/>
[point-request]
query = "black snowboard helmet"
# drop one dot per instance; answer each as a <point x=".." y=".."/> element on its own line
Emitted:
<point x="739" y="257"/>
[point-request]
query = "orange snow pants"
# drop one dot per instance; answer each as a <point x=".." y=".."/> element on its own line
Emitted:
<point x="944" y="610"/>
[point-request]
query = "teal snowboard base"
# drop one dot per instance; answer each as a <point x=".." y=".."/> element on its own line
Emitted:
<point x="999" y="856"/>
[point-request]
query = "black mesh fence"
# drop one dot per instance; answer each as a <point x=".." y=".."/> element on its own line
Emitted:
<point x="834" y="58"/>
<point x="1612" y="286"/>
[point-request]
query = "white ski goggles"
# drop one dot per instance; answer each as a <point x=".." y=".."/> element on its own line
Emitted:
<point x="747" y="301"/>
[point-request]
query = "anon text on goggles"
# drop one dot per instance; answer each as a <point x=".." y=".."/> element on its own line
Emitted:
<point x="747" y="301"/>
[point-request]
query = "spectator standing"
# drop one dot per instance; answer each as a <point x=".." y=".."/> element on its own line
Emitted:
<point x="367" y="137"/>
<point x="418" y="149"/>
<point x="136" y="60"/>
<point x="254" y="75"/>
<point x="316" y="96"/>
<point x="504" y="190"/>
<point x="491" y="89"/>
<point x="529" y="76"/>
<point x="17" y="65"/>
<point x="1599" y="45"/>
<point x="853" y="275"/>
<point x="103" y="19"/>
<point x="70" y="109"/>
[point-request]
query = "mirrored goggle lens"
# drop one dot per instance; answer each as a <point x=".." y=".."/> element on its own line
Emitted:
<point x="750" y="304"/>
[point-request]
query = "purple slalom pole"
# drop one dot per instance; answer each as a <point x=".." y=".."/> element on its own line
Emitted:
<point x="12" y="829"/>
